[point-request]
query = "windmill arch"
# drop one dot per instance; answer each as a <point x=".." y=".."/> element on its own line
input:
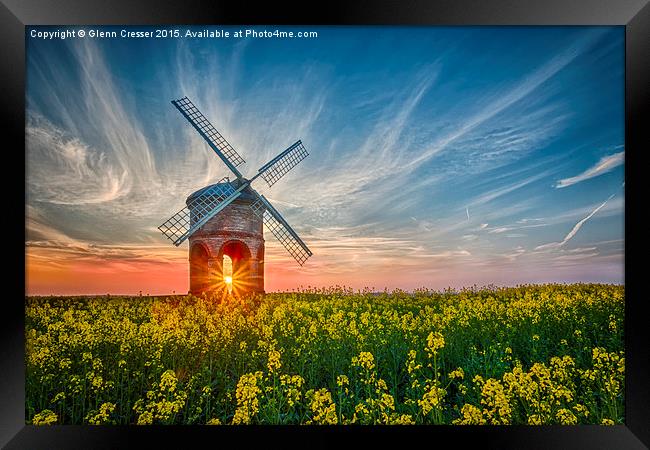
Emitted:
<point x="240" y="255"/>
<point x="199" y="268"/>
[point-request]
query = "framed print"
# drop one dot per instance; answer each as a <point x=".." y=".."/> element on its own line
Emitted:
<point x="365" y="223"/>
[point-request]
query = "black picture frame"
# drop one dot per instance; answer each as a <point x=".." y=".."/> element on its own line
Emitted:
<point x="634" y="15"/>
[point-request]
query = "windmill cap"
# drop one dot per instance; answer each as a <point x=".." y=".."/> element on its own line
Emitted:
<point x="245" y="194"/>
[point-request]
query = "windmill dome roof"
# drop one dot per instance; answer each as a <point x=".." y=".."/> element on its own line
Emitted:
<point x="245" y="194"/>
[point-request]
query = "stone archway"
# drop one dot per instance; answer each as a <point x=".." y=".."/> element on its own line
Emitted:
<point x="199" y="270"/>
<point x="240" y="255"/>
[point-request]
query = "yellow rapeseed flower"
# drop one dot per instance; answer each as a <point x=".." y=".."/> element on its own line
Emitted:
<point x="458" y="373"/>
<point x="435" y="341"/>
<point x="322" y="407"/>
<point x="45" y="417"/>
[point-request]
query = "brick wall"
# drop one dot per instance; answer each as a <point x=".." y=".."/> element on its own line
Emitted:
<point x="237" y="229"/>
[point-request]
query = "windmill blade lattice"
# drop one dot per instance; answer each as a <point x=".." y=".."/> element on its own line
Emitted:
<point x="206" y="203"/>
<point x="203" y="207"/>
<point x="275" y="169"/>
<point x="281" y="229"/>
<point x="216" y="141"/>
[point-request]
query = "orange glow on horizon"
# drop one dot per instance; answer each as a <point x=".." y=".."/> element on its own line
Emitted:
<point x="56" y="272"/>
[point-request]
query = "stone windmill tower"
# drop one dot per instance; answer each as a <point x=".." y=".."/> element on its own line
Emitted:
<point x="226" y="219"/>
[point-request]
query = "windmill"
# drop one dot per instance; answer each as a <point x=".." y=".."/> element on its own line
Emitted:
<point x="226" y="218"/>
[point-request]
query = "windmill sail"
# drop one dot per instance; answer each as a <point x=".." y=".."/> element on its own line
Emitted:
<point x="206" y="203"/>
<point x="281" y="229"/>
<point x="198" y="211"/>
<point x="216" y="141"/>
<point x="283" y="163"/>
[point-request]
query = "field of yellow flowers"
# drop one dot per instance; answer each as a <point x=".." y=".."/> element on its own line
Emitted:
<point x="539" y="354"/>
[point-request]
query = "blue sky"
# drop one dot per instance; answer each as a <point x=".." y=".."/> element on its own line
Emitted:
<point x="439" y="156"/>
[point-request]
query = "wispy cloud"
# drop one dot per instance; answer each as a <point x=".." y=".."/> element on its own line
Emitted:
<point x="496" y="193"/>
<point x="614" y="207"/>
<point x="606" y="164"/>
<point x="66" y="171"/>
<point x="574" y="230"/>
<point x="50" y="244"/>
<point x="507" y="99"/>
<point x="504" y="229"/>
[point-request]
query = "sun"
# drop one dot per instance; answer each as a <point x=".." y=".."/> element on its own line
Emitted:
<point x="228" y="280"/>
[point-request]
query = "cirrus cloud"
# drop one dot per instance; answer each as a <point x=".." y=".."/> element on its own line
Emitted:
<point x="606" y="164"/>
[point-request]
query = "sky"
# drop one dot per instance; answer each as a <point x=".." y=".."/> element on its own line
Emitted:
<point x="438" y="156"/>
